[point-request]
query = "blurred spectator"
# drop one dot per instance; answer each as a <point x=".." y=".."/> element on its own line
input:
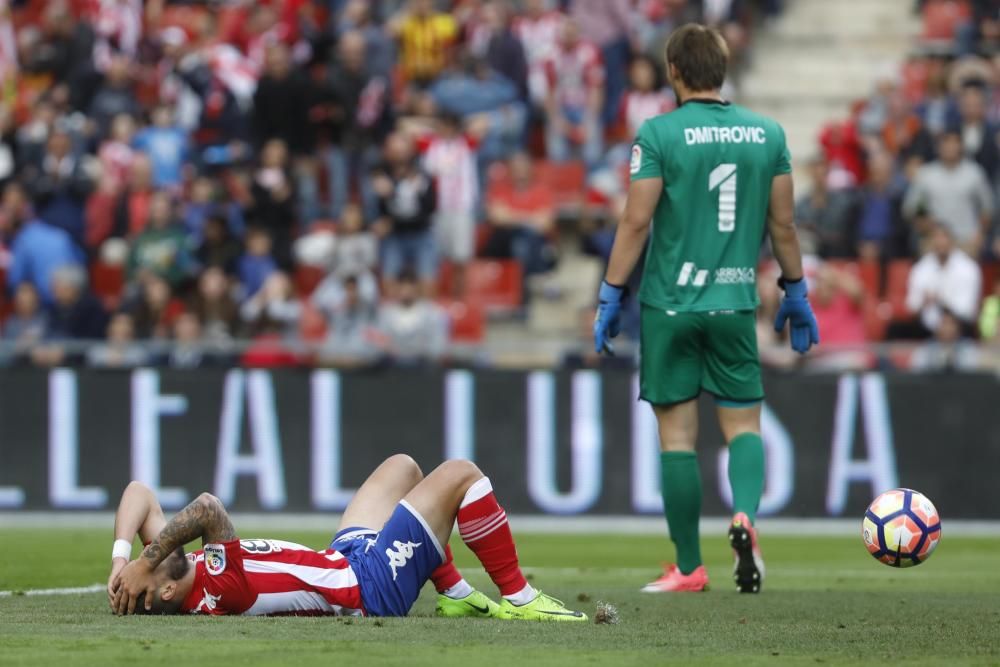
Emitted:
<point x="523" y="215"/>
<point x="162" y="248"/>
<point x="218" y="247"/>
<point x="116" y="153"/>
<point x="132" y="212"/>
<point x="538" y="28"/>
<point x="203" y="203"/>
<point x="28" y="324"/>
<point x="121" y="349"/>
<point x="426" y="38"/>
<point x="842" y="148"/>
<point x="989" y="316"/>
<point x="838" y="298"/>
<point x="273" y="206"/>
<point x="350" y="323"/>
<point x="8" y="143"/>
<point x="945" y="279"/>
<point x="414" y="329"/>
<point x="407" y="201"/>
<point x="954" y="192"/>
<point x="281" y="112"/>
<point x="75" y="313"/>
<point x="167" y="146"/>
<point x="450" y="157"/>
<point x="646" y="96"/>
<point x="937" y="110"/>
<point x="362" y="95"/>
<point x="214" y="307"/>
<point x="576" y="98"/>
<point x="37" y="248"/>
<point x="114" y="96"/>
<point x="379" y="51"/>
<point x="979" y="136"/>
<point x="273" y="309"/>
<point x="825" y="216"/>
<point x="950" y="349"/>
<point x="257" y="264"/>
<point x="504" y="52"/>
<point x="608" y="25"/>
<point x="60" y="186"/>
<point x="881" y="232"/>
<point x="154" y="308"/>
<point x="188" y="350"/>
<point x="354" y="257"/>
<point x="482" y="97"/>
<point x="902" y="133"/>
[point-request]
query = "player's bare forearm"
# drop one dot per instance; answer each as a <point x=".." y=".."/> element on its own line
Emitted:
<point x="139" y="513"/>
<point x="204" y="517"/>
<point x="633" y="229"/>
<point x="781" y="227"/>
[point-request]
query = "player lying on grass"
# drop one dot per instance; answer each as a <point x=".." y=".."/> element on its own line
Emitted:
<point x="710" y="178"/>
<point x="393" y="537"/>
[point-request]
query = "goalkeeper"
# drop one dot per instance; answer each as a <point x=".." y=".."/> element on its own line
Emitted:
<point x="711" y="177"/>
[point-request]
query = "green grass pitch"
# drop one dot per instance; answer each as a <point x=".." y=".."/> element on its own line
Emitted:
<point x="826" y="601"/>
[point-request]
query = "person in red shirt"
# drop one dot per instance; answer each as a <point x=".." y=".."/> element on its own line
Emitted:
<point x="838" y="300"/>
<point x="522" y="213"/>
<point x="388" y="545"/>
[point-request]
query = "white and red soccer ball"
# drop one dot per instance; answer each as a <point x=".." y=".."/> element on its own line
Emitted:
<point x="901" y="528"/>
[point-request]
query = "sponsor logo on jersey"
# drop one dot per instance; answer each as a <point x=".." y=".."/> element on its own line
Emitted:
<point x="215" y="558"/>
<point x="401" y="556"/>
<point x="735" y="275"/>
<point x="691" y="275"/>
<point x="635" y="164"/>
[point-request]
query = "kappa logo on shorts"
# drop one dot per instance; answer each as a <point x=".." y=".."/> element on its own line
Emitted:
<point x="635" y="164"/>
<point x="401" y="556"/>
<point x="215" y="558"/>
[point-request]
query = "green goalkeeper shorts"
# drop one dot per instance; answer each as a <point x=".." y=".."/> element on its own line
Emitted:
<point x="685" y="353"/>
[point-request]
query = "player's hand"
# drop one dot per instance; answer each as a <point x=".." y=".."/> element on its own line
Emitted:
<point x="117" y="565"/>
<point x="795" y="309"/>
<point x="135" y="579"/>
<point x="607" y="322"/>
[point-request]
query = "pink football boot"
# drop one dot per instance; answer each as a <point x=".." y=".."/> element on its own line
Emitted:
<point x="748" y="571"/>
<point x="673" y="581"/>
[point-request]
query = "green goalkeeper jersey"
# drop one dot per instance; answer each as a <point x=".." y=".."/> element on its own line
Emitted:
<point x="717" y="161"/>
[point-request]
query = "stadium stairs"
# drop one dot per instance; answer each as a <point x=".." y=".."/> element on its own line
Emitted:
<point x="820" y="56"/>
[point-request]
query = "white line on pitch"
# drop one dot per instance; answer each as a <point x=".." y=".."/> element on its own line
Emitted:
<point x="93" y="588"/>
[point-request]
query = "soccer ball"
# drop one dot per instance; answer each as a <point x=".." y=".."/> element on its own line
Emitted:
<point x="901" y="528"/>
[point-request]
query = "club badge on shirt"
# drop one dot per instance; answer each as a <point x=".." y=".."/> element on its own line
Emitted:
<point x="636" y="162"/>
<point x="215" y="559"/>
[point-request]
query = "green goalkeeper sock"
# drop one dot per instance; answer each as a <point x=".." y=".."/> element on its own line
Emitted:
<point x="680" y="483"/>
<point x="746" y="473"/>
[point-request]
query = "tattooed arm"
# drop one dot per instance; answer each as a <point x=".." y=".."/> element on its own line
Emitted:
<point x="205" y="517"/>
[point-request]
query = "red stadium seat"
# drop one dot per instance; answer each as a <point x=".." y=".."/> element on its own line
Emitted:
<point x="870" y="273"/>
<point x="468" y="321"/>
<point x="107" y="281"/>
<point x="566" y="180"/>
<point x="895" y="289"/>
<point x="494" y="284"/>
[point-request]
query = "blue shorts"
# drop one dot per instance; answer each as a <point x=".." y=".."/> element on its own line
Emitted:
<point x="414" y="250"/>
<point x="392" y="564"/>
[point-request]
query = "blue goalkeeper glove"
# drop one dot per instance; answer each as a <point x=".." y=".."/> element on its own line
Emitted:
<point x="803" y="330"/>
<point x="607" y="323"/>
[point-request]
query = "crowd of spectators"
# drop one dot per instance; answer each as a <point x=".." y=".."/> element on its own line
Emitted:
<point x="168" y="168"/>
<point x="901" y="203"/>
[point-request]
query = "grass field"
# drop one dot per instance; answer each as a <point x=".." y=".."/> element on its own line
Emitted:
<point x="825" y="602"/>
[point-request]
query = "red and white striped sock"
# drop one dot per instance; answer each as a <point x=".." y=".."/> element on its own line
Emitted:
<point x="448" y="580"/>
<point x="482" y="523"/>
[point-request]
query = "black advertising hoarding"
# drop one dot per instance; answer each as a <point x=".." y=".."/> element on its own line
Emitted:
<point x="553" y="442"/>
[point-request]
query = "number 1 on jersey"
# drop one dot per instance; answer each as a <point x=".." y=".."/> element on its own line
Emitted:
<point x="724" y="178"/>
